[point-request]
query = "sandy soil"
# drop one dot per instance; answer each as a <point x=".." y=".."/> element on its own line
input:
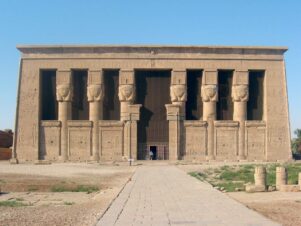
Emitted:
<point x="32" y="184"/>
<point x="282" y="207"/>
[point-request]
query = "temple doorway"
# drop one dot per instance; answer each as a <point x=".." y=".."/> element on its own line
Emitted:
<point x="152" y="89"/>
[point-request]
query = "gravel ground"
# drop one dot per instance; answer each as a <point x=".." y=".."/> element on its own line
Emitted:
<point x="59" y="208"/>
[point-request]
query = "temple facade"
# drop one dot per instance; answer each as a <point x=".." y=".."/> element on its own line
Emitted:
<point x="115" y="103"/>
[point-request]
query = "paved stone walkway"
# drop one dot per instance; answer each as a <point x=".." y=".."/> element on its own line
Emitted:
<point x="166" y="195"/>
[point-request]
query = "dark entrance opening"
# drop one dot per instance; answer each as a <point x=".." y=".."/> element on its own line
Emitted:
<point x="80" y="105"/>
<point x="49" y="108"/>
<point x="152" y="89"/>
<point x="194" y="103"/>
<point x="153" y="150"/>
<point x="111" y="104"/>
<point x="256" y="93"/>
<point x="224" y="105"/>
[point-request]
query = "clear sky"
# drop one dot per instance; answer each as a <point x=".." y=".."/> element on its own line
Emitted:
<point x="179" y="22"/>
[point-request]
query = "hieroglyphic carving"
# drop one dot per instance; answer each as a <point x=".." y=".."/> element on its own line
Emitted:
<point x="95" y="92"/>
<point x="255" y="143"/>
<point x="178" y="93"/>
<point x="226" y="143"/>
<point x="64" y="92"/>
<point x="49" y="142"/>
<point x="126" y="93"/>
<point x="79" y="144"/>
<point x="240" y="93"/>
<point x="111" y="144"/>
<point x="195" y="145"/>
<point x="209" y="93"/>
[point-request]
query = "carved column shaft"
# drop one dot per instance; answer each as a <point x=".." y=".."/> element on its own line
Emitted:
<point x="209" y="96"/>
<point x="126" y="92"/>
<point x="64" y="95"/>
<point x="240" y="95"/>
<point x="95" y="98"/>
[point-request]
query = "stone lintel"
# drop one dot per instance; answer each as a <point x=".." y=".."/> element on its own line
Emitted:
<point x="79" y="123"/>
<point x="51" y="123"/>
<point x="110" y="123"/>
<point x="195" y="123"/>
<point x="255" y="123"/>
<point x="226" y="124"/>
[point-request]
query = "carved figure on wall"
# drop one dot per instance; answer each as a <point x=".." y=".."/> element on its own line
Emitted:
<point x="240" y="93"/>
<point x="64" y="92"/>
<point x="178" y="93"/>
<point x="95" y="92"/>
<point x="126" y="93"/>
<point x="209" y="93"/>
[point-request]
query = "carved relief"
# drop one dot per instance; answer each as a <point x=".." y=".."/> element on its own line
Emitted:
<point x="226" y="143"/>
<point x="126" y="93"/>
<point x="209" y="93"/>
<point x="79" y="144"/>
<point x="64" y="92"/>
<point x="95" y="92"/>
<point x="240" y="93"/>
<point x="255" y="144"/>
<point x="49" y="142"/>
<point x="195" y="145"/>
<point x="178" y="93"/>
<point x="111" y="144"/>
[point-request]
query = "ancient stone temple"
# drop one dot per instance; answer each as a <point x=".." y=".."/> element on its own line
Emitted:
<point x="114" y="103"/>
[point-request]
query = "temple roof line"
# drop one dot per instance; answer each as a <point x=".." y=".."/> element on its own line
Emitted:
<point x="153" y="49"/>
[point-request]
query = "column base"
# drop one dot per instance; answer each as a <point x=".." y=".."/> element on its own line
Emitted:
<point x="94" y="158"/>
<point x="14" y="161"/>
<point x="210" y="158"/>
<point x="241" y="158"/>
<point x="42" y="162"/>
<point x="62" y="159"/>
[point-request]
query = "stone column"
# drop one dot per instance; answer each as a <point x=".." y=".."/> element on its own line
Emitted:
<point x="178" y="89"/>
<point x="299" y="180"/>
<point x="260" y="176"/>
<point x="126" y="92"/>
<point x="64" y="93"/>
<point x="209" y="96"/>
<point x="95" y="98"/>
<point x="240" y="95"/>
<point x="281" y="177"/>
<point x="209" y="93"/>
<point x="176" y="113"/>
<point x="134" y="111"/>
<point x="174" y="116"/>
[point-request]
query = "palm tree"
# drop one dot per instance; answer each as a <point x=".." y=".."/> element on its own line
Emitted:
<point x="296" y="142"/>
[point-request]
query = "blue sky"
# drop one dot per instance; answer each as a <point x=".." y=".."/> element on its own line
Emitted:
<point x="190" y="22"/>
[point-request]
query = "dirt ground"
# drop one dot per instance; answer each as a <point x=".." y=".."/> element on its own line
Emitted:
<point x="282" y="207"/>
<point x="32" y="185"/>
